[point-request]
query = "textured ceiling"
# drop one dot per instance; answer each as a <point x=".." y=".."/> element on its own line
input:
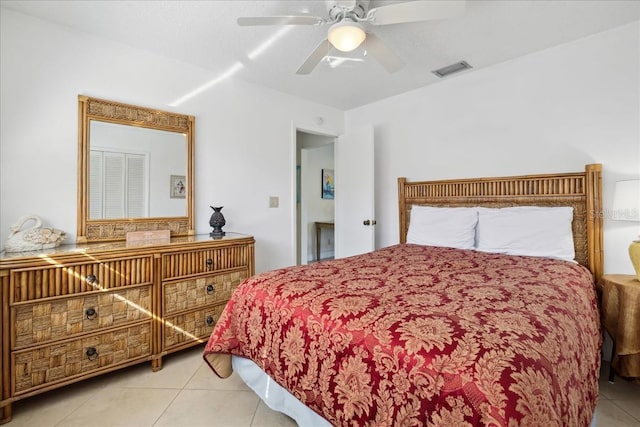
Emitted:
<point x="205" y="33"/>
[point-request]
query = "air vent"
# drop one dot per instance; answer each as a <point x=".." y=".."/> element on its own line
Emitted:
<point x="451" y="69"/>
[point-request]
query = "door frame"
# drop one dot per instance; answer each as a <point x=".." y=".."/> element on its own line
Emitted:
<point x="295" y="128"/>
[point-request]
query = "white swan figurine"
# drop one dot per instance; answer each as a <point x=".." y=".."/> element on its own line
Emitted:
<point x="33" y="238"/>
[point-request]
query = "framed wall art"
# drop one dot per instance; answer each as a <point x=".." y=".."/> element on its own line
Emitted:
<point x="328" y="184"/>
<point x="178" y="187"/>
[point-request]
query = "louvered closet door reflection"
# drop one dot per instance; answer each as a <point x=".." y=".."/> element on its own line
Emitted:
<point x="114" y="182"/>
<point x="118" y="184"/>
<point x="136" y="201"/>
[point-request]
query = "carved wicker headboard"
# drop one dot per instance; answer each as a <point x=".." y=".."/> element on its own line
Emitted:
<point x="581" y="190"/>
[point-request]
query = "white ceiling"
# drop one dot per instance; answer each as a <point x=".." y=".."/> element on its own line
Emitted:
<point x="205" y="33"/>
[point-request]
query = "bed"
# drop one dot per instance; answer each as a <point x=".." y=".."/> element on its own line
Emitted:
<point x="436" y="333"/>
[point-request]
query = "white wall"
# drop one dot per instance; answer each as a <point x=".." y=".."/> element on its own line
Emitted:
<point x="552" y="111"/>
<point x="243" y="150"/>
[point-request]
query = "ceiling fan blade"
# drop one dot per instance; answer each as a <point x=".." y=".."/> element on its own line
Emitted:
<point x="414" y="11"/>
<point x="280" y="20"/>
<point x="315" y="58"/>
<point x="385" y="56"/>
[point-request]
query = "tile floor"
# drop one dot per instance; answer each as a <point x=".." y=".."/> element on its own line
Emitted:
<point x="186" y="393"/>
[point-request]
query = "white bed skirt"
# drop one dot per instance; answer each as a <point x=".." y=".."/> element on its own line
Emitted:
<point x="275" y="396"/>
<point x="279" y="399"/>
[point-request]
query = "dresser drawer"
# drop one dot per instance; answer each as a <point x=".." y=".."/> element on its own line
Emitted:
<point x="183" y="264"/>
<point x="192" y="326"/>
<point x="42" y="366"/>
<point x="193" y="293"/>
<point x="35" y="283"/>
<point x="58" y="318"/>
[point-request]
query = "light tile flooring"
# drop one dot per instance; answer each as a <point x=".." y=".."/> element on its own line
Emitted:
<point x="186" y="393"/>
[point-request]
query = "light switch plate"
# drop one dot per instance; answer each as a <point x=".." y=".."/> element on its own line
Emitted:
<point x="274" y="201"/>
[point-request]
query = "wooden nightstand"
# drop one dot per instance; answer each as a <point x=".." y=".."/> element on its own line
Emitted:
<point x="620" y="311"/>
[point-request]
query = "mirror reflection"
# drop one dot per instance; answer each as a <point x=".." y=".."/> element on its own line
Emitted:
<point x="136" y="172"/>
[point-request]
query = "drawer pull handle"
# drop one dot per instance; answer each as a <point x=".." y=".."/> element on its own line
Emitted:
<point x="92" y="353"/>
<point x="91" y="279"/>
<point x="210" y="321"/>
<point x="211" y="289"/>
<point x="91" y="313"/>
<point x="209" y="263"/>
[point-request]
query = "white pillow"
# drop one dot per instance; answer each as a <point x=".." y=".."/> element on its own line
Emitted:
<point x="448" y="227"/>
<point x="526" y="230"/>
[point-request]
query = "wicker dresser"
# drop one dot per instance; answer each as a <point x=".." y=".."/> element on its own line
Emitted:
<point x="78" y="311"/>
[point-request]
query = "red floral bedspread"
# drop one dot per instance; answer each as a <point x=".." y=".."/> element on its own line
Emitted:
<point x="414" y="335"/>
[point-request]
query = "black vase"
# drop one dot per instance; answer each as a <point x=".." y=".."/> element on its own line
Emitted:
<point x="217" y="222"/>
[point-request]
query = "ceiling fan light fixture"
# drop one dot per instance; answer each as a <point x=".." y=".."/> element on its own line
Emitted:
<point x="346" y="35"/>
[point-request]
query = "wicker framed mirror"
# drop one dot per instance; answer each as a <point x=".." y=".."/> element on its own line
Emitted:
<point x="135" y="170"/>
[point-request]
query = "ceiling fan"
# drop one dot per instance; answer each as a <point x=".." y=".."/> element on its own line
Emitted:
<point x="347" y="31"/>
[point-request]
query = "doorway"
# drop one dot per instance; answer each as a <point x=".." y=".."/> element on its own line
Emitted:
<point x="314" y="153"/>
